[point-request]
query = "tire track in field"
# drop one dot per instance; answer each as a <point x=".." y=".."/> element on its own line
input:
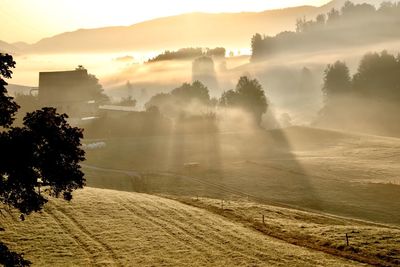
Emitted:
<point x="143" y="214"/>
<point x="202" y="244"/>
<point x="176" y="225"/>
<point x="229" y="234"/>
<point x="82" y="244"/>
<point x="211" y="223"/>
<point x="217" y="239"/>
<point x="229" y="189"/>
<point x="223" y="188"/>
<point x="173" y="227"/>
<point x="101" y="244"/>
<point x="146" y="220"/>
<point x="258" y="246"/>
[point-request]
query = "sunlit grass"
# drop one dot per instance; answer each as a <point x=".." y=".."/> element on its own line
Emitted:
<point x="368" y="242"/>
<point x="103" y="227"/>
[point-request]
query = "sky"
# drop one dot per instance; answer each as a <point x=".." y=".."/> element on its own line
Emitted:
<point x="31" y="20"/>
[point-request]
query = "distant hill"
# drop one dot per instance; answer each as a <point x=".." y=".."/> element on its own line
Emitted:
<point x="186" y="30"/>
<point x="21" y="45"/>
<point x="339" y="3"/>
<point x="355" y="25"/>
<point x="193" y="29"/>
<point x="7" y="48"/>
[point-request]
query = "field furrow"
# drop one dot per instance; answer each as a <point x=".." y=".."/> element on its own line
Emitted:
<point x="228" y="242"/>
<point x="170" y="232"/>
<point x="77" y="225"/>
<point x="208" y="242"/>
<point x="113" y="228"/>
<point x="84" y="246"/>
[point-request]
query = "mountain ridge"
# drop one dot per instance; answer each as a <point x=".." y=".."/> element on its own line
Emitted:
<point x="235" y="29"/>
<point x="196" y="29"/>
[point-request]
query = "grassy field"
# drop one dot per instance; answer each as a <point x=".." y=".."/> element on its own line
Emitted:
<point x="112" y="228"/>
<point x="345" y="174"/>
<point x="370" y="243"/>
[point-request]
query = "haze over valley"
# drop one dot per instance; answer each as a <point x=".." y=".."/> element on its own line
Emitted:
<point x="203" y="134"/>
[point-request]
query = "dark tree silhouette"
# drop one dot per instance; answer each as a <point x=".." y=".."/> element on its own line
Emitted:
<point x="10" y="258"/>
<point x="194" y="91"/>
<point x="333" y="30"/>
<point x="337" y="80"/>
<point x="378" y="76"/>
<point x="368" y="102"/>
<point x="189" y="53"/>
<point x="8" y="107"/>
<point x="159" y="100"/>
<point x="216" y="52"/>
<point x="44" y="152"/>
<point x="95" y="89"/>
<point x="256" y="45"/>
<point x="249" y="96"/>
<point x="175" y="102"/>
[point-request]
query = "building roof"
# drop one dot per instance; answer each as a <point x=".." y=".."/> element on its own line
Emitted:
<point x="117" y="108"/>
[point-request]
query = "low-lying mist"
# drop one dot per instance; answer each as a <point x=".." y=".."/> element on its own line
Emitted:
<point x="292" y="82"/>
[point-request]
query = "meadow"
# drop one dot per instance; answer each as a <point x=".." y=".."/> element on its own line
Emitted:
<point x="346" y="174"/>
<point x="261" y="198"/>
<point x="112" y="228"/>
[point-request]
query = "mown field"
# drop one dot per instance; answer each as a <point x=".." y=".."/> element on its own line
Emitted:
<point x="366" y="242"/>
<point x="112" y="228"/>
<point x="346" y="174"/>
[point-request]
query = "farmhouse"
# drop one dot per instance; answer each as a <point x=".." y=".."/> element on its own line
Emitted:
<point x="73" y="92"/>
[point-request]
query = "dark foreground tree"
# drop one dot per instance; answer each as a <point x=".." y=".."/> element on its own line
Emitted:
<point x="11" y="258"/>
<point x="248" y="96"/>
<point x="8" y="107"/>
<point x="44" y="153"/>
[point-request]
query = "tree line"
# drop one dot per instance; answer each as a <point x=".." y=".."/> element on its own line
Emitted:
<point x="352" y="25"/>
<point x="248" y="96"/>
<point x="377" y="77"/>
<point x="189" y="53"/>
<point x="186" y="109"/>
<point x="370" y="97"/>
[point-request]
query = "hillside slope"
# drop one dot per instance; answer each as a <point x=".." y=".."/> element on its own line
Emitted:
<point x="192" y="29"/>
<point x="111" y="228"/>
<point x="336" y="172"/>
<point x="7" y="48"/>
<point x="232" y="30"/>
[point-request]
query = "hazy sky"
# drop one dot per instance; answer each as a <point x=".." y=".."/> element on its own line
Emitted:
<point x="31" y="20"/>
